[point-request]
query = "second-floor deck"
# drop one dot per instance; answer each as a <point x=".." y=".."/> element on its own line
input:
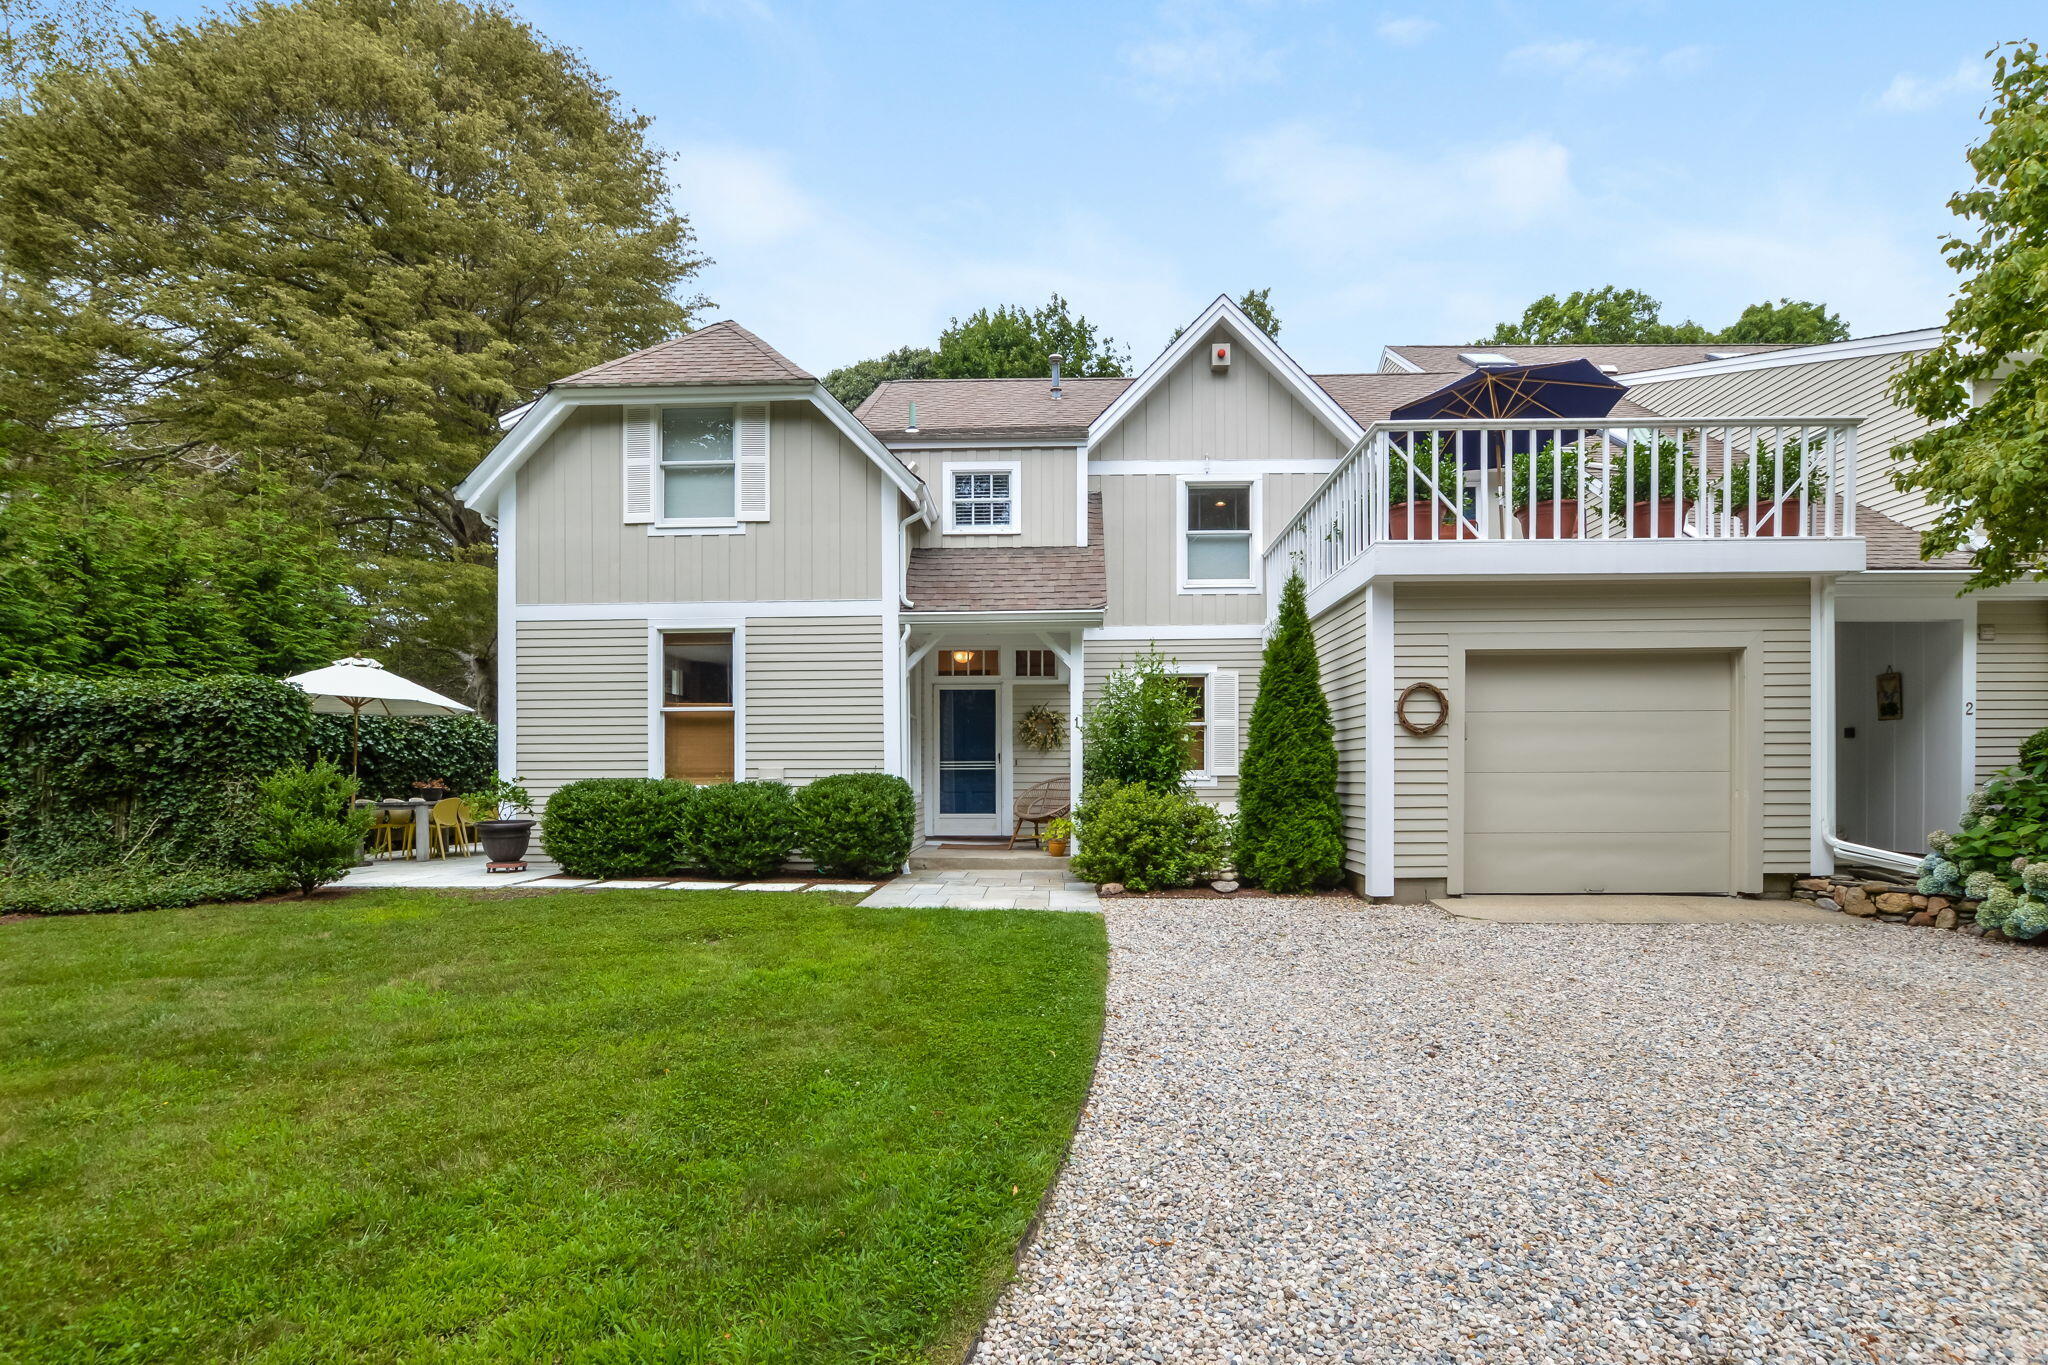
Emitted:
<point x="1584" y="495"/>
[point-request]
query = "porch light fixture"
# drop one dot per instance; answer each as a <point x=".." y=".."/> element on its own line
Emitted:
<point x="963" y="656"/>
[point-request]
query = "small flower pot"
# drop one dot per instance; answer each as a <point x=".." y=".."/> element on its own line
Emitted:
<point x="1663" y="520"/>
<point x="505" y="841"/>
<point x="1056" y="847"/>
<point x="1550" y="519"/>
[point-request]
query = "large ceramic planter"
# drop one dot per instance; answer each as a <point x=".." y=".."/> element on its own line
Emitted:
<point x="1761" y="519"/>
<point x="505" y="841"/>
<point x="1422" y="521"/>
<point x="1550" y="519"/>
<point x="1663" y="520"/>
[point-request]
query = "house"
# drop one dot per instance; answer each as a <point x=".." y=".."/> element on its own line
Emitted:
<point x="1569" y="648"/>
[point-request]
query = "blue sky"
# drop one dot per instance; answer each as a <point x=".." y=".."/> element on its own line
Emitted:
<point x="1395" y="173"/>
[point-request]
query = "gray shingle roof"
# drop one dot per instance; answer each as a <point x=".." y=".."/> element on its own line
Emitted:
<point x="1027" y="578"/>
<point x="1625" y="359"/>
<point x="1371" y="398"/>
<point x="1892" y="545"/>
<point x="723" y="353"/>
<point x="987" y="409"/>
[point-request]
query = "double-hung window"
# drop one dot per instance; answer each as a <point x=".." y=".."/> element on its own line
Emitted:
<point x="697" y="711"/>
<point x="697" y="466"/>
<point x="981" y="499"/>
<point x="1196" y="736"/>
<point x="1216" y="529"/>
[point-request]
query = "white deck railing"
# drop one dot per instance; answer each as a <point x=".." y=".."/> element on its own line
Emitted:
<point x="1453" y="483"/>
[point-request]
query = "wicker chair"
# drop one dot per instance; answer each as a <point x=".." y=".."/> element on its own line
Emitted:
<point x="1037" y="806"/>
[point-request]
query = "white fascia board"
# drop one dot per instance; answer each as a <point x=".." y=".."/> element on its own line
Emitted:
<point x="984" y="445"/>
<point x="717" y="612"/>
<point x="547" y="412"/>
<point x="1401" y="363"/>
<point x="1892" y="343"/>
<point x="1310" y="394"/>
<point x="1018" y="619"/>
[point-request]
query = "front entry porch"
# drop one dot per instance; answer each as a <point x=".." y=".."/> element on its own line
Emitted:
<point x="990" y="728"/>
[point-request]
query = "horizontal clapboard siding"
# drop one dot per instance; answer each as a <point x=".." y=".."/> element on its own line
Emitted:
<point x="1242" y="654"/>
<point x="1427" y="620"/>
<point x="814" y="696"/>
<point x="2012" y="681"/>
<point x="1143" y="515"/>
<point x="1857" y="386"/>
<point x="1340" y="652"/>
<point x="582" y="708"/>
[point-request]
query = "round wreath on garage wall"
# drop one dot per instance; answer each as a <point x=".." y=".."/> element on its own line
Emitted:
<point x="1422" y="709"/>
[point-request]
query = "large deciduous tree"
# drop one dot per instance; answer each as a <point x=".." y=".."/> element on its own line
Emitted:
<point x="1789" y="322"/>
<point x="1612" y="316"/>
<point x="331" y="242"/>
<point x="1018" y="343"/>
<point x="1290" y="831"/>
<point x="851" y="384"/>
<point x="1984" y="466"/>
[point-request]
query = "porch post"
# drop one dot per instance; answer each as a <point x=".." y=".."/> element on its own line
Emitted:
<point x="1075" y="688"/>
<point x="1821" y="767"/>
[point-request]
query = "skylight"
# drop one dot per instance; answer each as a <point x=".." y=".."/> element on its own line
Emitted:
<point x="1486" y="360"/>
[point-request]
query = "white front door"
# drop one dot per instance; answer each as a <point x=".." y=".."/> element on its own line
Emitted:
<point x="970" y="787"/>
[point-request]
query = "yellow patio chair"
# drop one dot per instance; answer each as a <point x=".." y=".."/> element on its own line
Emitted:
<point x="448" y="832"/>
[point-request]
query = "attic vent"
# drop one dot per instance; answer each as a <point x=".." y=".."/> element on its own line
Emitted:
<point x="1219" y="355"/>
<point x="1486" y="360"/>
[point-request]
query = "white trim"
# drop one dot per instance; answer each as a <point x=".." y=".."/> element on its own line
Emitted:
<point x="1206" y="775"/>
<point x="1004" y="758"/>
<point x="657" y="760"/>
<point x="1014" y="468"/>
<point x="1081" y="496"/>
<point x="1069" y="444"/>
<point x="1379" y="740"/>
<point x="1823" y="760"/>
<point x="951" y="619"/>
<point x="480" y="489"/>
<point x="895" y="717"/>
<point x="695" y="528"/>
<point x="1402" y="365"/>
<point x="508" y="632"/>
<point x="719" y="613"/>
<point x="1225" y="632"/>
<point x="1256" y="548"/>
<point x="1219" y="467"/>
<point x="1246" y="333"/>
<point x="1892" y="343"/>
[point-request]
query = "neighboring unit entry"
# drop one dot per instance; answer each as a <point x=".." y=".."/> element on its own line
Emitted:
<point x="1219" y="355"/>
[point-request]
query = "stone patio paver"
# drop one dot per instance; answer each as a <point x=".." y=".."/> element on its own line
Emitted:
<point x="954" y="888"/>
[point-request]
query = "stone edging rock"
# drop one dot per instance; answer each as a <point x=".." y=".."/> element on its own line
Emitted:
<point x="1898" y="903"/>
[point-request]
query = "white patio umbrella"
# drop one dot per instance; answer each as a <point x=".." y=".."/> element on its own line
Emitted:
<point x="353" y="686"/>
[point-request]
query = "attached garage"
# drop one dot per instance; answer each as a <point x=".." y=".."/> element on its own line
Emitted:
<point x="1602" y="771"/>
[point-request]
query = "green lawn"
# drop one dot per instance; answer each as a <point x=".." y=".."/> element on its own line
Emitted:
<point x="591" y="1126"/>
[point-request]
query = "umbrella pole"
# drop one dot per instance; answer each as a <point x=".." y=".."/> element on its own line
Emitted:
<point x="355" y="742"/>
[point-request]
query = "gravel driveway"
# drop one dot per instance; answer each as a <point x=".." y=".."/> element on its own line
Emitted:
<point x="1327" y="1131"/>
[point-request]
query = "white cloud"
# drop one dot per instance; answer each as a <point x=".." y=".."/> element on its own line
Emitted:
<point x="1170" y="67"/>
<point x="1910" y="94"/>
<point x="1338" y="200"/>
<point x="1599" y="61"/>
<point x="828" y="285"/>
<point x="1407" y="30"/>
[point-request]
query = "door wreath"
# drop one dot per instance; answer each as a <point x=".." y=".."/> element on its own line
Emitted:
<point x="1426" y="727"/>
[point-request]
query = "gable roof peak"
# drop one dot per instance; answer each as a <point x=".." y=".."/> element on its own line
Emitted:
<point x="722" y="353"/>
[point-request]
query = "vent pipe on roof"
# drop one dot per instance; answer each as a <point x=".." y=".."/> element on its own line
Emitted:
<point x="911" y="425"/>
<point x="1056" y="362"/>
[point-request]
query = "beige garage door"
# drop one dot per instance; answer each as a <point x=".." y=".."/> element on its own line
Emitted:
<point x="1598" y="772"/>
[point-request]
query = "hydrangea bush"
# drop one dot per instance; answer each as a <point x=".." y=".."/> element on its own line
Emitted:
<point x="1997" y="854"/>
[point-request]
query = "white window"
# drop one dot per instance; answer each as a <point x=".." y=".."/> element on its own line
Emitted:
<point x="1037" y="663"/>
<point x="1217" y="550"/>
<point x="699" y="717"/>
<point x="698" y="466"/>
<point x="1197" y="734"/>
<point x="981" y="499"/>
<point x="1211" y="736"/>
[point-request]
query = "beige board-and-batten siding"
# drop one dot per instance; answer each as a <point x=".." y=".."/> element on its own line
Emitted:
<point x="1855" y="386"/>
<point x="2012" y="680"/>
<point x="1142" y="517"/>
<point x="812" y="688"/>
<point x="1238" y="654"/>
<point x="1341" y="640"/>
<point x="1428" y="620"/>
<point x="821" y="541"/>
<point x="1199" y="413"/>
<point x="1045" y="496"/>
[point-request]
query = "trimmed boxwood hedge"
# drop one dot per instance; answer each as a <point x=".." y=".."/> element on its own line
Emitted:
<point x="618" y="826"/>
<point x="741" y="829"/>
<point x="857" y="824"/>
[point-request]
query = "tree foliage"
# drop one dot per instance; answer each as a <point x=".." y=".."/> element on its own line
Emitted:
<point x="851" y="384"/>
<point x="1136" y="730"/>
<point x="331" y="242"/>
<point x="1290" y="830"/>
<point x="1613" y="316"/>
<point x="106" y="573"/>
<point x="307" y="829"/>
<point x="1984" y="464"/>
<point x="1789" y="322"/>
<point x="1018" y="343"/>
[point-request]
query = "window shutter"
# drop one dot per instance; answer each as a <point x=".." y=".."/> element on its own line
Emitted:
<point x="751" y="439"/>
<point x="642" y="440"/>
<point x="1222" y="704"/>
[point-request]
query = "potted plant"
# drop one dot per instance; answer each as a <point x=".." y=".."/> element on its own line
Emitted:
<point x="1429" y="515"/>
<point x="1546" y="492"/>
<point x="504" y="834"/>
<point x="1655" y="485"/>
<point x="1058" y="833"/>
<point x="1764" y="490"/>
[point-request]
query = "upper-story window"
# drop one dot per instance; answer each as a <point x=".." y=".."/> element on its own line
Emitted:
<point x="981" y="499"/>
<point x="698" y="465"/>
<point x="1216" y="535"/>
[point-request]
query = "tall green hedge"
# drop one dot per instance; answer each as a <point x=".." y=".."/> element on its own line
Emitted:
<point x="401" y="750"/>
<point x="93" y="769"/>
<point x="1290" y="828"/>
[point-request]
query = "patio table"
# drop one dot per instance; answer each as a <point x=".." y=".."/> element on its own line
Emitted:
<point x="422" y="825"/>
